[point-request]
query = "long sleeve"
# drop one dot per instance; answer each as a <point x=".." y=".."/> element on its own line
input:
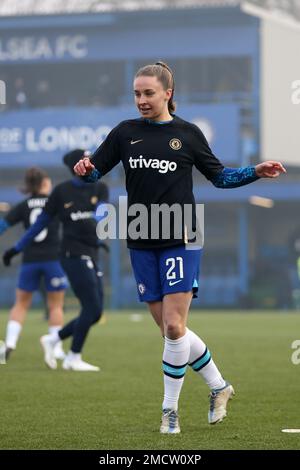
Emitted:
<point x="211" y="167"/>
<point x="235" y="177"/>
<point x="108" y="154"/>
<point x="93" y="177"/>
<point x="41" y="222"/>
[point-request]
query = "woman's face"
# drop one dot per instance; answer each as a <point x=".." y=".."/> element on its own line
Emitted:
<point x="150" y="97"/>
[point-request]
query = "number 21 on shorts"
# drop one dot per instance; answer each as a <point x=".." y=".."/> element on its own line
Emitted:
<point x="175" y="266"/>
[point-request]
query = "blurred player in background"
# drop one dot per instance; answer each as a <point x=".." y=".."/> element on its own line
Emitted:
<point x="40" y="261"/>
<point x="75" y="204"/>
<point x="158" y="152"/>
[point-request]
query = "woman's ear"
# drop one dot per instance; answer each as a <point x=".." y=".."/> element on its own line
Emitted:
<point x="169" y="92"/>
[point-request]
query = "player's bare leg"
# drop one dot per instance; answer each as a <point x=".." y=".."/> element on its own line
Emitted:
<point x="156" y="312"/>
<point x="55" y="302"/>
<point x="16" y="320"/>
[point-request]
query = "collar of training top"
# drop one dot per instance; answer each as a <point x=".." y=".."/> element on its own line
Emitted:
<point x="149" y="121"/>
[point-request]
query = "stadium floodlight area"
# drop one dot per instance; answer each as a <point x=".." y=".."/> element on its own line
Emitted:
<point x="43" y="7"/>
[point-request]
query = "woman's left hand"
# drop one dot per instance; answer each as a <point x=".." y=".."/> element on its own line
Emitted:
<point x="269" y="169"/>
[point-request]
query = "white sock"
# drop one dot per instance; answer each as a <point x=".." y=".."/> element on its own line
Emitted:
<point x="175" y="360"/>
<point x="74" y="356"/>
<point x="54" y="329"/>
<point x="13" y="331"/>
<point x="201" y="362"/>
<point x="53" y="332"/>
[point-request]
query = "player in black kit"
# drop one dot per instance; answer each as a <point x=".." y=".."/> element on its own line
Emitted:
<point x="158" y="152"/>
<point x="40" y="260"/>
<point x="75" y="204"/>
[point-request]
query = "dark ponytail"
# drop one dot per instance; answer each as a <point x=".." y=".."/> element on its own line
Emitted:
<point x="164" y="74"/>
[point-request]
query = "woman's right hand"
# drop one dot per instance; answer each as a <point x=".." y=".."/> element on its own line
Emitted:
<point x="84" y="167"/>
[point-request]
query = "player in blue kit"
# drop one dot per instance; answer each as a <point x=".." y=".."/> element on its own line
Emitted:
<point x="40" y="261"/>
<point x="158" y="152"/>
<point x="74" y="203"/>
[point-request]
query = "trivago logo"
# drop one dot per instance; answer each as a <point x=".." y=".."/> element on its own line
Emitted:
<point x="163" y="166"/>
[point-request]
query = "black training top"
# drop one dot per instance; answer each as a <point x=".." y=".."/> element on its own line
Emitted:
<point x="45" y="246"/>
<point x="75" y="203"/>
<point x="158" y="160"/>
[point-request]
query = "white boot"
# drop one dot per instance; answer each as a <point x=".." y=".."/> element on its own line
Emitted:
<point x="48" y="348"/>
<point x="74" y="362"/>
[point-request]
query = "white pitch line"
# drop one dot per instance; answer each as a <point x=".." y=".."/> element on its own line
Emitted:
<point x="290" y="430"/>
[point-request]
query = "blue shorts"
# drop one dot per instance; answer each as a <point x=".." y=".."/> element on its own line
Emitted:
<point x="165" y="271"/>
<point x="31" y="274"/>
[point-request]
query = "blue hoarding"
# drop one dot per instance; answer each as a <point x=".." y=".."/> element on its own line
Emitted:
<point x="41" y="137"/>
<point x="82" y="44"/>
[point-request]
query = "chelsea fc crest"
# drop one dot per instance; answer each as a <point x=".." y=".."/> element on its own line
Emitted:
<point x="142" y="289"/>
<point x="175" y="144"/>
<point x="94" y="200"/>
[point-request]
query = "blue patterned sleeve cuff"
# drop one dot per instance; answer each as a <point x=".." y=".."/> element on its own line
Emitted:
<point x="93" y="177"/>
<point x="235" y="177"/>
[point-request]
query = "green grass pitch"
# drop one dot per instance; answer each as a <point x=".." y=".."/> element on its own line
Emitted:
<point x="120" y="407"/>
